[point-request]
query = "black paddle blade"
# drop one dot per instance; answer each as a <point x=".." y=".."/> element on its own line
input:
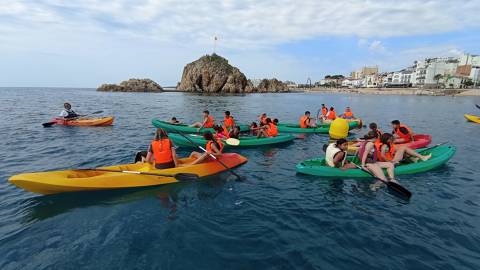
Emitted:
<point x="186" y="176"/>
<point x="478" y="106"/>
<point x="49" y="124"/>
<point x="399" y="189"/>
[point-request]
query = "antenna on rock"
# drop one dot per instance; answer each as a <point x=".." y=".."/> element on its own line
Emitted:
<point x="214" y="44"/>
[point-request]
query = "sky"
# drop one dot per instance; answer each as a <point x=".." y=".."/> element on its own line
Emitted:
<point x="84" y="43"/>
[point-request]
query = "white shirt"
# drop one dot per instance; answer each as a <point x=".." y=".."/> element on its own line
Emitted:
<point x="332" y="150"/>
<point x="64" y="113"/>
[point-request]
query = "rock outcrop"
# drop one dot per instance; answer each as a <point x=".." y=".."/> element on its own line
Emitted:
<point x="132" y="85"/>
<point x="212" y="74"/>
<point x="270" y="85"/>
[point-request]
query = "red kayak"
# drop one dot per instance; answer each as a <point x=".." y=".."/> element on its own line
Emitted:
<point x="420" y="141"/>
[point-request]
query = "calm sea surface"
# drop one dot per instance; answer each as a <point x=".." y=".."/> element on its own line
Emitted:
<point x="273" y="220"/>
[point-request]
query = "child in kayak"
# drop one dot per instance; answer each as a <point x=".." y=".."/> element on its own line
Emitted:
<point x="268" y="130"/>
<point x="161" y="151"/>
<point x="221" y="132"/>
<point x="324" y="113"/>
<point x="228" y="121"/>
<point x="402" y="133"/>
<point x="174" y="121"/>
<point x="67" y="112"/>
<point x="306" y="121"/>
<point x="386" y="150"/>
<point x="348" y="114"/>
<point x="253" y="129"/>
<point x="235" y="132"/>
<point x="374" y="132"/>
<point x="213" y="146"/>
<point x="262" y="119"/>
<point x="336" y="155"/>
<point x="208" y="121"/>
<point x="331" y="115"/>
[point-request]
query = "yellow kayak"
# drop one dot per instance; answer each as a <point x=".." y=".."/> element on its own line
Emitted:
<point x="472" y="118"/>
<point x="89" y="180"/>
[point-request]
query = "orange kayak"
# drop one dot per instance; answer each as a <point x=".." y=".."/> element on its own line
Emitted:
<point x="90" y="122"/>
<point x="89" y="180"/>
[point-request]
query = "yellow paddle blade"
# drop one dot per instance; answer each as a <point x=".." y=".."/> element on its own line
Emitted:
<point x="233" y="141"/>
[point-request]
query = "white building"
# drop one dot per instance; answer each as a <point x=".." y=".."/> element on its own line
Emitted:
<point x="352" y="83"/>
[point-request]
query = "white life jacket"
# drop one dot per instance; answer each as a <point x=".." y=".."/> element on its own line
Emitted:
<point x="330" y="153"/>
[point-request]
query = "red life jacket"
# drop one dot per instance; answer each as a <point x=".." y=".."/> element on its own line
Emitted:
<point x="303" y="121"/>
<point x="378" y="151"/>
<point x="210" y="122"/>
<point x="208" y="147"/>
<point x="162" y="151"/>
<point x="272" y="130"/>
<point x="332" y="115"/>
<point x="228" y="122"/>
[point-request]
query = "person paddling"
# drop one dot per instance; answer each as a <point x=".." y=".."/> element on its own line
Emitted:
<point x="402" y="133"/>
<point x="306" y="121"/>
<point x="336" y="155"/>
<point x="161" y="151"/>
<point x="386" y="150"/>
<point x="228" y="121"/>
<point x="208" y="121"/>
<point x="67" y="112"/>
<point x="348" y="114"/>
<point x="213" y="146"/>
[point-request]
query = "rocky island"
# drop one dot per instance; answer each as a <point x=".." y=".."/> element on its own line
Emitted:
<point x="132" y="85"/>
<point x="213" y="74"/>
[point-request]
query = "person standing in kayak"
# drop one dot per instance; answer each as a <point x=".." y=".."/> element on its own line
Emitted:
<point x="402" y="133"/>
<point x="228" y="121"/>
<point x="162" y="151"/>
<point x="385" y="150"/>
<point x="348" y="114"/>
<point x="67" y="112"/>
<point x="306" y="121"/>
<point x="213" y="146"/>
<point x="336" y="155"/>
<point x="208" y="121"/>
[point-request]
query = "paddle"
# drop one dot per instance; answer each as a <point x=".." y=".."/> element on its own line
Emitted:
<point x="178" y="176"/>
<point x="392" y="185"/>
<point x="233" y="141"/>
<point x="212" y="156"/>
<point x="478" y="106"/>
<point x="49" y="124"/>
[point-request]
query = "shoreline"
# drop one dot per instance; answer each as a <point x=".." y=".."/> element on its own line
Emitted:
<point x="396" y="91"/>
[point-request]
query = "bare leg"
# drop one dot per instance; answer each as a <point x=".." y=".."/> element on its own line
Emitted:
<point x="399" y="141"/>
<point x="196" y="124"/>
<point x="376" y="170"/>
<point x="390" y="169"/>
<point x="200" y="158"/>
<point x="195" y="155"/>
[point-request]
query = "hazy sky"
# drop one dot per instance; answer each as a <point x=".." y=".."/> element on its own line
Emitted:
<point x="83" y="43"/>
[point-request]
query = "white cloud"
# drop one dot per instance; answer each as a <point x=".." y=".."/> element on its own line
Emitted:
<point x="246" y="23"/>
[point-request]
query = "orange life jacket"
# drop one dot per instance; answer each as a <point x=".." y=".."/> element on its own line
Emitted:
<point x="408" y="136"/>
<point x="324" y="111"/>
<point x="229" y="122"/>
<point x="208" y="147"/>
<point x="303" y="121"/>
<point x="348" y="114"/>
<point x="162" y="151"/>
<point x="378" y="151"/>
<point x="379" y="133"/>
<point x="272" y="130"/>
<point x="210" y="122"/>
<point x="332" y="115"/>
<point x="225" y="132"/>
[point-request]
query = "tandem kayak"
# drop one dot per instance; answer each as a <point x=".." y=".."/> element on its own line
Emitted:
<point x="179" y="140"/>
<point x="185" y="128"/>
<point x="440" y="155"/>
<point x="324" y="128"/>
<point x="472" y="118"/>
<point x="85" y="122"/>
<point x="419" y="141"/>
<point x="90" y="180"/>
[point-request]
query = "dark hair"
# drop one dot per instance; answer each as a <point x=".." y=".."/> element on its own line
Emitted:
<point x="174" y="118"/>
<point x="236" y="128"/>
<point x="331" y="109"/>
<point x="254" y="124"/>
<point x="209" y="137"/>
<point x="395" y="122"/>
<point x="307" y="112"/>
<point x="323" y="104"/>
<point x="268" y="120"/>
<point x="385" y="137"/>
<point x="275" y="121"/>
<point x="340" y="142"/>
<point x="227" y="113"/>
<point x="373" y="126"/>
<point x="206" y="111"/>
<point x="160" y="134"/>
<point x="217" y="128"/>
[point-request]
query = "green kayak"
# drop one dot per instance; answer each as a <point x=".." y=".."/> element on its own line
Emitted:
<point x="440" y="155"/>
<point x="185" y="128"/>
<point x="181" y="141"/>
<point x="324" y="128"/>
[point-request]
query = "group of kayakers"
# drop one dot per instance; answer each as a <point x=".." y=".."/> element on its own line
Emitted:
<point x="326" y="116"/>
<point x="376" y="151"/>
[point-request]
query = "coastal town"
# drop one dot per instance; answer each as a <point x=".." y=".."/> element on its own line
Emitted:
<point x="459" y="72"/>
